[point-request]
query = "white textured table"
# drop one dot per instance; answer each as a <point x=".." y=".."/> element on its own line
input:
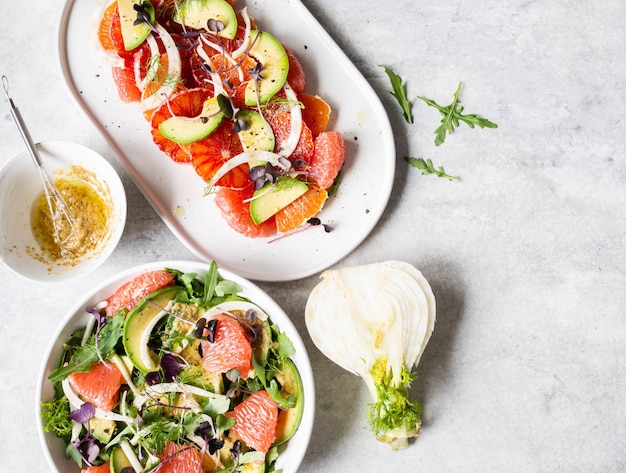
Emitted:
<point x="526" y="369"/>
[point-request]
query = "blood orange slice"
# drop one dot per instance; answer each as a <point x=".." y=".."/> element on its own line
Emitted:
<point x="255" y="421"/>
<point x="328" y="158"/>
<point x="230" y="348"/>
<point x="127" y="295"/>
<point x="209" y="154"/>
<point x="280" y="122"/>
<point x="180" y="459"/>
<point x="236" y="212"/>
<point x="186" y="103"/>
<point x="100" y="386"/>
<point x="316" y="113"/>
<point x="300" y="210"/>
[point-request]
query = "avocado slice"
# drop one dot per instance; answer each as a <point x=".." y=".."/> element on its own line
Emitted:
<point x="134" y="34"/>
<point x="118" y="460"/>
<point x="254" y="132"/>
<point x="270" y="198"/>
<point x="198" y="13"/>
<point x="291" y="385"/>
<point x="139" y="324"/>
<point x="191" y="129"/>
<point x="102" y="429"/>
<point x="274" y="64"/>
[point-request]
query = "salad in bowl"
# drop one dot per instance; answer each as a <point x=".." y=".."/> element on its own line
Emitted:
<point x="176" y="367"/>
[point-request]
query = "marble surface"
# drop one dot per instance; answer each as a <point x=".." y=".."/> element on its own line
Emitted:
<point x="526" y="368"/>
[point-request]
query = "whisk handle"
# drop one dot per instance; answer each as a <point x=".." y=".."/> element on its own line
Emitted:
<point x="21" y="125"/>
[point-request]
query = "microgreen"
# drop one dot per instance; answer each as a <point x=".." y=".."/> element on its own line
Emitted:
<point x="399" y="92"/>
<point x="452" y="115"/>
<point x="427" y="167"/>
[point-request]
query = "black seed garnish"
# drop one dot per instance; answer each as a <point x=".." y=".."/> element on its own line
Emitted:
<point x="215" y="445"/>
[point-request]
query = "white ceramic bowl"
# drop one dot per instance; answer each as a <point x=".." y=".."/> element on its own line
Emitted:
<point x="20" y="183"/>
<point x="291" y="454"/>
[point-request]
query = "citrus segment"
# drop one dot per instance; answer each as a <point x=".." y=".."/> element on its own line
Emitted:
<point x="327" y="160"/>
<point x="236" y="212"/>
<point x="316" y="113"/>
<point x="180" y="459"/>
<point x="230" y="348"/>
<point x="280" y="122"/>
<point x="209" y="154"/>
<point x="300" y="210"/>
<point x="104" y="468"/>
<point x="295" y="76"/>
<point x="255" y="421"/>
<point x="133" y="291"/>
<point x="100" y="386"/>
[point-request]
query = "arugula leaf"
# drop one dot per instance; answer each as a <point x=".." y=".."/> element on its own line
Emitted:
<point x="427" y="167"/>
<point x="399" y="93"/>
<point x="452" y="115"/>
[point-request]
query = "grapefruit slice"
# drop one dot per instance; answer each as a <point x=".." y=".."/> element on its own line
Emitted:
<point x="180" y="459"/>
<point x="327" y="160"/>
<point x="230" y="349"/>
<point x="100" y="386"/>
<point x="316" y="113"/>
<point x="236" y="212"/>
<point x="127" y="295"/>
<point x="255" y="421"/>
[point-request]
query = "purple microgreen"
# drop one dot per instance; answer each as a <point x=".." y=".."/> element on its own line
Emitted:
<point x="204" y="430"/>
<point x="214" y="445"/>
<point x="241" y="125"/>
<point x="233" y="375"/>
<point x="87" y="448"/>
<point x="153" y="378"/>
<point x="84" y="413"/>
<point x="251" y="315"/>
<point x="200" y="324"/>
<point x="144" y="16"/>
<point x="255" y="72"/>
<point x="171" y="367"/>
<point x="212" y="328"/>
<point x="215" y="26"/>
<point x="232" y="392"/>
<point x="236" y="449"/>
<point x="100" y="322"/>
<point x="226" y="107"/>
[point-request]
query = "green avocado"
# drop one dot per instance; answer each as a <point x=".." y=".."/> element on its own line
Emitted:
<point x="191" y="129"/>
<point x="291" y="385"/>
<point x="254" y="133"/>
<point x="134" y="34"/>
<point x="197" y="14"/>
<point x="102" y="429"/>
<point x="270" y="198"/>
<point x="274" y="67"/>
<point x="118" y="460"/>
<point x="139" y="324"/>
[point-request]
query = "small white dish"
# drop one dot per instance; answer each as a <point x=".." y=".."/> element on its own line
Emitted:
<point x="20" y="183"/>
<point x="290" y="455"/>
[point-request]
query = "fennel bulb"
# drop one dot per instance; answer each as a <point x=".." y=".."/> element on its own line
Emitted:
<point x="375" y="321"/>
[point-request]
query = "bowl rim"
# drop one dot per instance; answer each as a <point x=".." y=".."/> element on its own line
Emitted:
<point x="105" y="288"/>
<point x="69" y="150"/>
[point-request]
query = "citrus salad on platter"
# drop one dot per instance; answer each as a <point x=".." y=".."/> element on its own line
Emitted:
<point x="228" y="98"/>
<point x="176" y="373"/>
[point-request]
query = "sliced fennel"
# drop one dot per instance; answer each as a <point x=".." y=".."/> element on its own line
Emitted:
<point x="375" y="321"/>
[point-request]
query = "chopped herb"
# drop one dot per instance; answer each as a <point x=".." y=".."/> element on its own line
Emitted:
<point x="399" y="93"/>
<point x="427" y="167"/>
<point x="452" y="115"/>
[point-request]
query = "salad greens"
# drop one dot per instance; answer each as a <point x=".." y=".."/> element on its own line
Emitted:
<point x="399" y="93"/>
<point x="452" y="116"/>
<point x="427" y="167"/>
<point x="182" y="403"/>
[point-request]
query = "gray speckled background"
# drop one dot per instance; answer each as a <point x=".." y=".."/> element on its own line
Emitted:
<point x="526" y="368"/>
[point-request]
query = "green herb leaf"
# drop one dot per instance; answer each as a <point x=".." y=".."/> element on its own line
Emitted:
<point x="55" y="416"/>
<point x="399" y="93"/>
<point x="427" y="167"/>
<point x="452" y="114"/>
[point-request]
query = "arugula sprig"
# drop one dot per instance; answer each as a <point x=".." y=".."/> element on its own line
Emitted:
<point x="399" y="93"/>
<point x="427" y="167"/>
<point x="452" y="115"/>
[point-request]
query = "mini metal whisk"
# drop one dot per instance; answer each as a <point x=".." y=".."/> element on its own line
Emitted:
<point x="59" y="211"/>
